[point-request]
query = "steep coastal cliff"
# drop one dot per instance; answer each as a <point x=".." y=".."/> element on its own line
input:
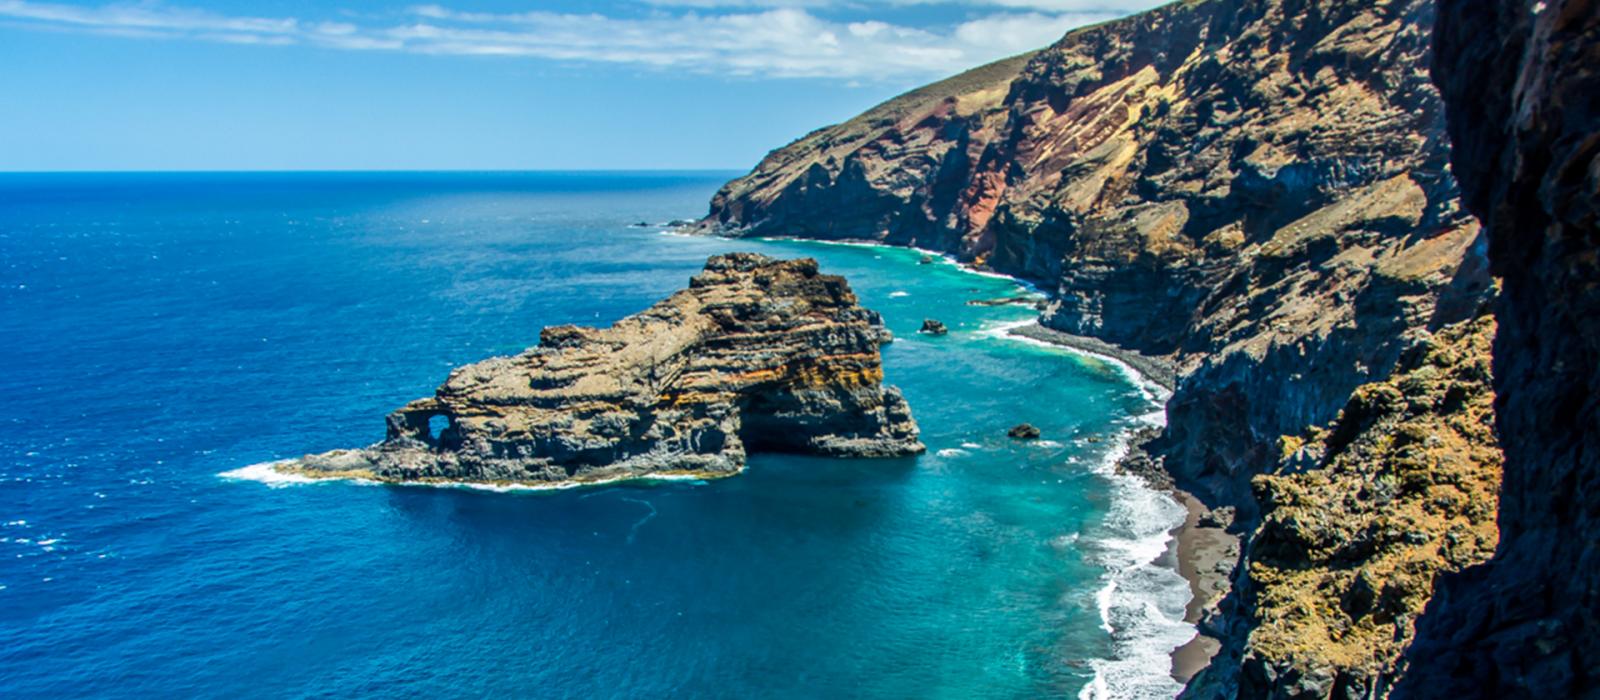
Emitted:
<point x="757" y="354"/>
<point x="1520" y="80"/>
<point x="1359" y="520"/>
<point x="1257" y="191"/>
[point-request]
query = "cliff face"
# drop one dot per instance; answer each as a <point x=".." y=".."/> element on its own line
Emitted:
<point x="1521" y="81"/>
<point x="1256" y="190"/>
<point x="757" y="354"/>
<point x="1359" y="520"/>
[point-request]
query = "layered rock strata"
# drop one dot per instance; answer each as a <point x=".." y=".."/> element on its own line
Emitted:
<point x="758" y="354"/>
<point x="1521" y="80"/>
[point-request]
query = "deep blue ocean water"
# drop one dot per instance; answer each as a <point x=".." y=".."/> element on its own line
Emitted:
<point x="159" y="330"/>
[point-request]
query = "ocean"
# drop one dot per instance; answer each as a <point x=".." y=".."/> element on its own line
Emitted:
<point x="161" y="332"/>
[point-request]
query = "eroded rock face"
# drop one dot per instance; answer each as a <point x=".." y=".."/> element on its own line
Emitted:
<point x="758" y="354"/>
<point x="1359" y="519"/>
<point x="1520" y="80"/>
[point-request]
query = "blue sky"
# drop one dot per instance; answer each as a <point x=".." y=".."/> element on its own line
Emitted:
<point x="475" y="84"/>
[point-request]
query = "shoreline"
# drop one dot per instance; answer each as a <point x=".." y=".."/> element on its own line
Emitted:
<point x="1195" y="551"/>
<point x="1199" y="549"/>
<point x="1152" y="369"/>
<point x="1204" y="557"/>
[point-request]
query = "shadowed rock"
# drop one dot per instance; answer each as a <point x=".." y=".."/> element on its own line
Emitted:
<point x="1520" y="80"/>
<point x="758" y="354"/>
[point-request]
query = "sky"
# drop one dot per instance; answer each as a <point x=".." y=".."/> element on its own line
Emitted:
<point x="475" y="84"/>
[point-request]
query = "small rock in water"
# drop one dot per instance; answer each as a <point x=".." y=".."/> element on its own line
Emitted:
<point x="926" y="260"/>
<point x="932" y="327"/>
<point x="1026" y="431"/>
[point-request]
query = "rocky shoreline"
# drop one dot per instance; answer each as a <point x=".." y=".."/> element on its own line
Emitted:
<point x="1260" y="196"/>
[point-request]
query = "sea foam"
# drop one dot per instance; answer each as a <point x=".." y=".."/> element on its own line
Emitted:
<point x="1141" y="602"/>
<point x="267" y="473"/>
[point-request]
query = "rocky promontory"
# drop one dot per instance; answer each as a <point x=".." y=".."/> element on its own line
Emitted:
<point x="758" y="354"/>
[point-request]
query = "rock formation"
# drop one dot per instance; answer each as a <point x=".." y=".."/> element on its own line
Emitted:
<point x="1256" y="191"/>
<point x="932" y="327"/>
<point x="1359" y="520"/>
<point x="1520" y="81"/>
<point x="757" y="354"/>
<point x="1024" y="431"/>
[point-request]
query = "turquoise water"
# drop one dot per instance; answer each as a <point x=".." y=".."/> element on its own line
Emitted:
<point x="161" y="330"/>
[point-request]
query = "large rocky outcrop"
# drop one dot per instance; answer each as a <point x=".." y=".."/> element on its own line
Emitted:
<point x="1521" y="81"/>
<point x="1360" y="518"/>
<point x="1257" y="190"/>
<point x="757" y="354"/>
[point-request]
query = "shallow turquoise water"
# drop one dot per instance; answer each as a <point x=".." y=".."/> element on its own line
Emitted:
<point x="159" y="330"/>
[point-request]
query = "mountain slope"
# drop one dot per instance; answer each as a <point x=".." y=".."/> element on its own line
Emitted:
<point x="1257" y="190"/>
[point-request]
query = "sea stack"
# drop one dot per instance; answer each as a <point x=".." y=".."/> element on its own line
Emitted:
<point x="758" y="354"/>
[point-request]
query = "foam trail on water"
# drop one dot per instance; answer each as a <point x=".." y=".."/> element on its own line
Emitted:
<point x="632" y="531"/>
<point x="945" y="257"/>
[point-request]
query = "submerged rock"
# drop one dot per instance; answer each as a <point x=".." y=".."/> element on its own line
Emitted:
<point x="1025" y="431"/>
<point x="758" y="354"/>
<point x="932" y="327"/>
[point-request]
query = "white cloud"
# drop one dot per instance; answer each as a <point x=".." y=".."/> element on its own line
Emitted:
<point x="763" y="38"/>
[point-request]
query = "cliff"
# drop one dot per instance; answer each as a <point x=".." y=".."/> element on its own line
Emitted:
<point x="1520" y="81"/>
<point x="757" y="354"/>
<point x="1360" y="518"/>
<point x="1256" y="191"/>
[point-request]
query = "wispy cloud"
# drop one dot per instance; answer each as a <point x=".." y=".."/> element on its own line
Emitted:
<point x="764" y="38"/>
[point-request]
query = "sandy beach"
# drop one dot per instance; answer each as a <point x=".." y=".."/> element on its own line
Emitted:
<point x="1205" y="554"/>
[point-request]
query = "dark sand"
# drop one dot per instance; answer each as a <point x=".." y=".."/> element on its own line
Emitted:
<point x="1153" y="368"/>
<point x="1204" y="555"/>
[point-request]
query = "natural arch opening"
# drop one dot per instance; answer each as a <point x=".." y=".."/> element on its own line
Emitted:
<point x="437" y="424"/>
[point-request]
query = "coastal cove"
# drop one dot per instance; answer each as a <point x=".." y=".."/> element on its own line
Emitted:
<point x="286" y="314"/>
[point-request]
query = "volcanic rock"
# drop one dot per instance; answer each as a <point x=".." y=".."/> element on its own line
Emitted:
<point x="758" y="354"/>
<point x="1025" y="431"/>
<point x="1520" y="80"/>
<point x="1256" y="192"/>
<point x="932" y="327"/>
